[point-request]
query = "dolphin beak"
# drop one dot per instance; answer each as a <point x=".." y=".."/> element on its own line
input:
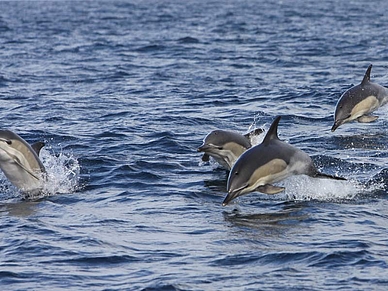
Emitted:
<point x="232" y="194"/>
<point x="206" y="147"/>
<point x="335" y="125"/>
<point x="203" y="148"/>
<point x="228" y="198"/>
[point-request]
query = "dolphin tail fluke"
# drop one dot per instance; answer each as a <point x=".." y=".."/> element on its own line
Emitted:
<point x="327" y="176"/>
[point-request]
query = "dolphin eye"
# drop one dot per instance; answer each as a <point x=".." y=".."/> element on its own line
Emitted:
<point x="7" y="141"/>
<point x="220" y="148"/>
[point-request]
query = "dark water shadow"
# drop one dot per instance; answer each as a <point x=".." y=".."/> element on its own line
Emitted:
<point x="19" y="209"/>
<point x="380" y="179"/>
<point x="371" y="141"/>
<point x="276" y="221"/>
<point x="218" y="184"/>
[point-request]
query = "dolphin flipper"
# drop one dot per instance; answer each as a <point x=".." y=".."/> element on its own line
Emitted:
<point x="367" y="118"/>
<point x="38" y="146"/>
<point x="270" y="189"/>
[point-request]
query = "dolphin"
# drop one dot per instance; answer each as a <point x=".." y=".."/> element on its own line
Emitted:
<point x="359" y="101"/>
<point x="20" y="162"/>
<point x="269" y="162"/>
<point x="226" y="146"/>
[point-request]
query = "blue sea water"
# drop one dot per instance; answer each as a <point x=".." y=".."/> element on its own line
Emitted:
<point x="123" y="93"/>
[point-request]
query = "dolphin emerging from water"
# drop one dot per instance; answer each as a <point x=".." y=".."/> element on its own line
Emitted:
<point x="359" y="101"/>
<point x="226" y="146"/>
<point x="269" y="162"/>
<point x="20" y="162"/>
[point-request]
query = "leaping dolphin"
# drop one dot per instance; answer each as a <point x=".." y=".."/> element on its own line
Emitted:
<point x="226" y="146"/>
<point x="359" y="101"/>
<point x="20" y="162"/>
<point x="269" y="162"/>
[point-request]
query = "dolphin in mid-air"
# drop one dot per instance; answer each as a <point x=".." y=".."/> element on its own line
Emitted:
<point x="226" y="146"/>
<point x="359" y="101"/>
<point x="269" y="162"/>
<point x="20" y="162"/>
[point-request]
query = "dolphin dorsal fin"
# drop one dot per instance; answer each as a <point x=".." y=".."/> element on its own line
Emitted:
<point x="367" y="75"/>
<point x="38" y="146"/>
<point x="273" y="131"/>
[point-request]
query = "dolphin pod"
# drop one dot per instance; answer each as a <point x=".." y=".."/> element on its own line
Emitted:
<point x="20" y="162"/>
<point x="257" y="168"/>
<point x="251" y="168"/>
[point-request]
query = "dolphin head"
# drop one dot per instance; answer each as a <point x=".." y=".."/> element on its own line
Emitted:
<point x="20" y="162"/>
<point x="238" y="181"/>
<point x="6" y="143"/>
<point x="224" y="146"/>
<point x="343" y="110"/>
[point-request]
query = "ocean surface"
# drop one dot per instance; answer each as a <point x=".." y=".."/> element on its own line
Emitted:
<point x="123" y="93"/>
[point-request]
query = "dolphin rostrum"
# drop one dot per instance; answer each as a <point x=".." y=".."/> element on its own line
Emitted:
<point x="359" y="101"/>
<point x="20" y="162"/>
<point x="226" y="146"/>
<point x="269" y="162"/>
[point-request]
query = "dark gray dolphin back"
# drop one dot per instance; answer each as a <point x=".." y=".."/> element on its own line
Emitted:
<point x="221" y="137"/>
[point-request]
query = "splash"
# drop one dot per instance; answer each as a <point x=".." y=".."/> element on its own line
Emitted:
<point x="62" y="172"/>
<point x="302" y="188"/>
<point x="257" y="138"/>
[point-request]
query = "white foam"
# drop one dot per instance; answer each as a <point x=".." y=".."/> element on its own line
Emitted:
<point x="62" y="172"/>
<point x="302" y="187"/>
